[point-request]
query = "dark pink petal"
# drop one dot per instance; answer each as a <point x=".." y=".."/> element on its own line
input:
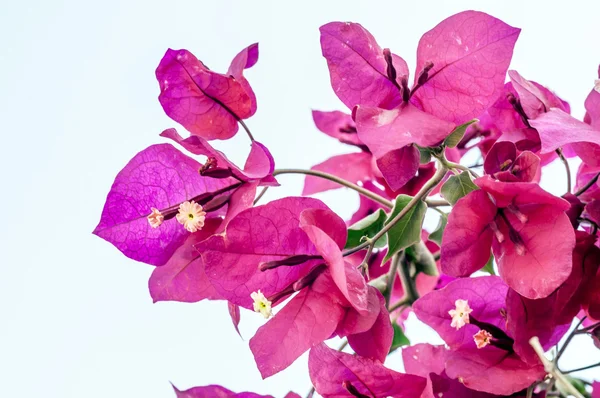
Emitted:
<point x="245" y="59"/>
<point x="596" y="389"/>
<point x="183" y="277"/>
<point x="584" y="174"/>
<point x="330" y="370"/>
<point x="592" y="210"/>
<point x="534" y="99"/>
<point x="355" y="322"/>
<point x="422" y="359"/>
<point x="443" y="386"/>
<point x="332" y="227"/>
<point x="386" y="130"/>
<point x="357" y="66"/>
<point x="526" y="167"/>
<point x="375" y="343"/>
<point x="308" y="319"/>
<point x="587" y="151"/>
<point x="259" y="163"/>
<point x="338" y="125"/>
<point x="575" y="210"/>
<point x="234" y="313"/>
<point x="241" y="199"/>
<point x="468" y="237"/>
<point x="399" y="166"/>
<point x="500" y="157"/>
<point x="353" y="167"/>
<point x="485" y="295"/>
<point x="214" y="391"/>
<point x="347" y="278"/>
<point x="544" y="259"/>
<point x="257" y="235"/>
<point x="492" y="370"/>
<point x="206" y="103"/>
<point x="557" y="129"/>
<point x="470" y="52"/>
<point x="159" y="176"/>
<point x="592" y="106"/>
<point x="519" y="194"/>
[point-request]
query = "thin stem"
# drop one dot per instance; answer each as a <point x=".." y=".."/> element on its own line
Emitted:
<point x="587" y="186"/>
<point x="391" y="277"/>
<point x="587" y="329"/>
<point x="452" y="166"/>
<point x="436" y="203"/>
<point x="582" y="368"/>
<point x="551" y="369"/>
<point x="260" y="195"/>
<point x="569" y="338"/>
<point x="365" y="192"/>
<point x="241" y="122"/>
<point x="567" y="168"/>
<point x="400" y="303"/>
<point x="530" y="391"/>
<point x="428" y="186"/>
<point x="408" y="284"/>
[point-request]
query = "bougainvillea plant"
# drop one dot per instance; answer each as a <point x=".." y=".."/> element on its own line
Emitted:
<point x="508" y="270"/>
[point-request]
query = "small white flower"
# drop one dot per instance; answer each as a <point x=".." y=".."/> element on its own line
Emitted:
<point x="155" y="218"/>
<point x="460" y="315"/>
<point x="191" y="216"/>
<point x="261" y="304"/>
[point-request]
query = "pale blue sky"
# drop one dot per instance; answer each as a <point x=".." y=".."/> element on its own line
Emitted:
<point x="79" y="99"/>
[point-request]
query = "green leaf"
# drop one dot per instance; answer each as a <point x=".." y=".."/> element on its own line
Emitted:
<point x="436" y="236"/>
<point x="420" y="256"/>
<point x="400" y="338"/>
<point x="368" y="226"/>
<point x="489" y="266"/>
<point x="407" y="231"/>
<point x="425" y="155"/>
<point x="458" y="186"/>
<point x="458" y="133"/>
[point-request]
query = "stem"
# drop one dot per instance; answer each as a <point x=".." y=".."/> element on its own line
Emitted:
<point x="428" y="186"/>
<point x="587" y="186"/>
<point x="365" y="192"/>
<point x="400" y="303"/>
<point x="451" y="165"/>
<point x="551" y="369"/>
<point x="587" y="329"/>
<point x="530" y="391"/>
<point x="582" y="368"/>
<point x="436" y="202"/>
<point x="241" y="122"/>
<point x="391" y="277"/>
<point x="569" y="338"/>
<point x="260" y="195"/>
<point x="567" y="168"/>
<point x="408" y="285"/>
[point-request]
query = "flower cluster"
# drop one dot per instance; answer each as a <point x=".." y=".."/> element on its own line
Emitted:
<point x="501" y="279"/>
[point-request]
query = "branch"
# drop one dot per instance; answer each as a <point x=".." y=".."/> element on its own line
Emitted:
<point x="365" y="192"/>
<point x="551" y="369"/>
<point x="587" y="186"/>
<point x="260" y="195"/>
<point x="582" y="368"/>
<point x="423" y="192"/>
<point x="567" y="168"/>
<point x="391" y="277"/>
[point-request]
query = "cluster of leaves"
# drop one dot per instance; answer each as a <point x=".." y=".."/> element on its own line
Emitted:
<point x="199" y="225"/>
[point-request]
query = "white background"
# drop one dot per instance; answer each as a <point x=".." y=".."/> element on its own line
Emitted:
<point x="79" y="99"/>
